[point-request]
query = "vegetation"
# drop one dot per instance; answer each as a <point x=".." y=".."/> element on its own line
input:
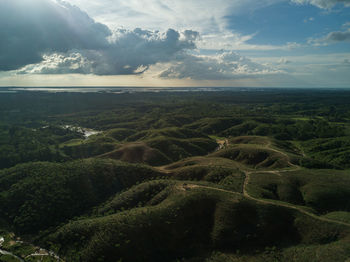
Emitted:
<point x="33" y="194"/>
<point x="184" y="176"/>
<point x="323" y="190"/>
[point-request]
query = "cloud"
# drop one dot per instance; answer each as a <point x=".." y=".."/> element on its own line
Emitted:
<point x="223" y="66"/>
<point x="338" y="36"/>
<point x="60" y="64"/>
<point x="54" y="37"/>
<point x="132" y="50"/>
<point x="30" y="29"/>
<point x="325" y="4"/>
<point x="235" y="41"/>
<point x="284" y="61"/>
<point x="205" y="16"/>
<point x="209" y="18"/>
<point x="129" y="52"/>
<point x="332" y="37"/>
<point x="48" y="36"/>
<point x="191" y="35"/>
<point x="309" y="19"/>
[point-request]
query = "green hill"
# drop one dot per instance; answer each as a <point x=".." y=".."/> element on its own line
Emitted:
<point x="138" y="152"/>
<point x="323" y="190"/>
<point x="120" y="134"/>
<point x="32" y="195"/>
<point x="176" y="149"/>
<point x="181" y="133"/>
<point x="255" y="157"/>
<point x="191" y="222"/>
<point x="259" y="175"/>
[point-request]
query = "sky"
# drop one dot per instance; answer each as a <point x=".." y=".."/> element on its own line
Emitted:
<point x="258" y="43"/>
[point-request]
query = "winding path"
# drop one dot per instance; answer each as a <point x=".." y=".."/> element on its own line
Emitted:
<point x="269" y="202"/>
<point x="300" y="209"/>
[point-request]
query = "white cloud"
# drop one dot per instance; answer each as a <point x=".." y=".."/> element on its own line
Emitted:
<point x="309" y="19"/>
<point x="284" y="61"/>
<point x="204" y="16"/>
<point x="237" y="42"/>
<point x="316" y="70"/>
<point x="298" y="60"/>
<point x="227" y="65"/>
<point x="59" y="64"/>
<point x="325" y="4"/>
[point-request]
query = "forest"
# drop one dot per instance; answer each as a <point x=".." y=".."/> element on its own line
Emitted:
<point x="231" y="175"/>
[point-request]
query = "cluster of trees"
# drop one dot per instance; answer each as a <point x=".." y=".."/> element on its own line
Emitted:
<point x="21" y="144"/>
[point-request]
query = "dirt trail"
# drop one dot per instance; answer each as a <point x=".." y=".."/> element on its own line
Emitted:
<point x="268" y="146"/>
<point x="266" y="201"/>
<point x="163" y="169"/>
<point x="278" y="172"/>
<point x="223" y="144"/>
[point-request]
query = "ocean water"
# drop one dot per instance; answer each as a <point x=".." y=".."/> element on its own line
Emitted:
<point x="130" y="90"/>
<point x="120" y="90"/>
